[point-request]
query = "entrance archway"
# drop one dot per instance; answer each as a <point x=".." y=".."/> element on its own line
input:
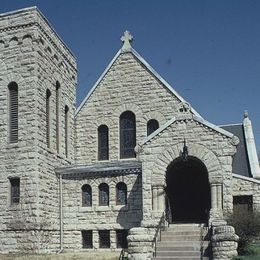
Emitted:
<point x="188" y="191"/>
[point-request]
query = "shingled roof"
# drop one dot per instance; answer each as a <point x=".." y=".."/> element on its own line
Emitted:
<point x="240" y="160"/>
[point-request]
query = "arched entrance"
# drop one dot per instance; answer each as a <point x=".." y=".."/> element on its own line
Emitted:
<point x="188" y="190"/>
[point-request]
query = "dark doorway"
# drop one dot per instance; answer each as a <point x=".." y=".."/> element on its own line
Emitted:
<point x="188" y="191"/>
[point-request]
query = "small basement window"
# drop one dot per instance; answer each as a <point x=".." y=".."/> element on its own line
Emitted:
<point x="243" y="203"/>
<point x="104" y="238"/>
<point x="15" y="190"/>
<point x="87" y="238"/>
<point x="121" y="238"/>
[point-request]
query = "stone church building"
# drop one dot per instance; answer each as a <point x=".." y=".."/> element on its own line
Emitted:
<point x="132" y="156"/>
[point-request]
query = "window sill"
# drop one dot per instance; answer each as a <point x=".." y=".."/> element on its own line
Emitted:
<point x="103" y="208"/>
<point x="86" y="209"/>
<point x="12" y="145"/>
<point x="14" y="207"/>
<point x="120" y="208"/>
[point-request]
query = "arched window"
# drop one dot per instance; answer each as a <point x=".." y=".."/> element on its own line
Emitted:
<point x="86" y="195"/>
<point x="103" y="147"/>
<point x="152" y="125"/>
<point x="127" y="135"/>
<point x="13" y="112"/>
<point x="121" y="193"/>
<point x="66" y="130"/>
<point x="48" y="118"/>
<point x="103" y="194"/>
<point x="57" y="116"/>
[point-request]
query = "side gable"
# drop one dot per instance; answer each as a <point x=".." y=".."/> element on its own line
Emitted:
<point x="147" y="66"/>
<point x="196" y="119"/>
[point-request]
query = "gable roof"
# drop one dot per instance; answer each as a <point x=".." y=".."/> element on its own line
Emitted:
<point x="195" y="118"/>
<point x="146" y="65"/>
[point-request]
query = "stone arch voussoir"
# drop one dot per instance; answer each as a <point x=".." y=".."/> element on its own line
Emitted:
<point x="206" y="156"/>
<point x="13" y="77"/>
<point x="129" y="107"/>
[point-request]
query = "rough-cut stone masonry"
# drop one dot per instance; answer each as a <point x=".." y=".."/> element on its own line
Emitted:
<point x="214" y="149"/>
<point x="112" y="217"/>
<point x="243" y="187"/>
<point x="33" y="56"/>
<point x="126" y="86"/>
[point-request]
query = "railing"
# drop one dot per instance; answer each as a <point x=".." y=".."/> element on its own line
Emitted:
<point x="163" y="224"/>
<point x="122" y="254"/>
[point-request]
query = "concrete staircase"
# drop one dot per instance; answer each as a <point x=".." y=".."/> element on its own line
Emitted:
<point x="183" y="241"/>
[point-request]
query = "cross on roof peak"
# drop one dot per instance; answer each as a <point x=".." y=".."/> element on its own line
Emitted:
<point x="126" y="39"/>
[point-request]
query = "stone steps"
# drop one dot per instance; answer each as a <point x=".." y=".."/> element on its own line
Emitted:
<point x="183" y="241"/>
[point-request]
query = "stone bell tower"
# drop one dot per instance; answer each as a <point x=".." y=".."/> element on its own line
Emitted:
<point x="37" y="82"/>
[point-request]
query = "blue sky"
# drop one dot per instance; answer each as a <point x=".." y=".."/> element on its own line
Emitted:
<point x="208" y="50"/>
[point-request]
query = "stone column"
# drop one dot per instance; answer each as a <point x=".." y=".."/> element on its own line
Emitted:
<point x="219" y="196"/>
<point x="154" y="194"/>
<point x="213" y="196"/>
<point x="161" y="198"/>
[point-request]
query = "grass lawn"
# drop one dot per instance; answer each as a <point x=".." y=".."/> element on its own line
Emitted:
<point x="65" y="256"/>
<point x="255" y="248"/>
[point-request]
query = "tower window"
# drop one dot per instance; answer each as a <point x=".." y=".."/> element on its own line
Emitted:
<point x="121" y="194"/>
<point x="86" y="196"/>
<point x="15" y="190"/>
<point x="48" y="118"/>
<point x="103" y="146"/>
<point x="57" y="116"/>
<point x="66" y="130"/>
<point x="127" y="135"/>
<point x="13" y="112"/>
<point x="152" y="125"/>
<point x="103" y="194"/>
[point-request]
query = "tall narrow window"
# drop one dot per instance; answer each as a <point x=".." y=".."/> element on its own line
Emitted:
<point x="103" y="147"/>
<point x="13" y="112"/>
<point x="127" y="135"/>
<point x="57" y="117"/>
<point x="48" y="118"/>
<point x="103" y="194"/>
<point x="121" y="194"/>
<point x="66" y="130"/>
<point x="15" y="190"/>
<point x="152" y="125"/>
<point x="86" y="196"/>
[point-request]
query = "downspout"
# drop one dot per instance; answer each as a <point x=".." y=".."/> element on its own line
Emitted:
<point x="61" y="214"/>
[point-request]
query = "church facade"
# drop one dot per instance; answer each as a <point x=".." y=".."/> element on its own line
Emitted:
<point x="132" y="152"/>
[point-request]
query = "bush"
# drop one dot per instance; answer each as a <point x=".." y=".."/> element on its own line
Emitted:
<point x="247" y="227"/>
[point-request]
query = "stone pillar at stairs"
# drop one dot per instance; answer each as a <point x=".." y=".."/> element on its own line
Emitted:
<point x="224" y="243"/>
<point x="140" y="244"/>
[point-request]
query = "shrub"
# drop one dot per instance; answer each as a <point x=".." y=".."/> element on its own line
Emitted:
<point x="247" y="227"/>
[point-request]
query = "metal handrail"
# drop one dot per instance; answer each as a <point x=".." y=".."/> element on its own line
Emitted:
<point x="122" y="254"/>
<point x="163" y="224"/>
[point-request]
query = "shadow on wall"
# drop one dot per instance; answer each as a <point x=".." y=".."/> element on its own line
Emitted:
<point x="130" y="215"/>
